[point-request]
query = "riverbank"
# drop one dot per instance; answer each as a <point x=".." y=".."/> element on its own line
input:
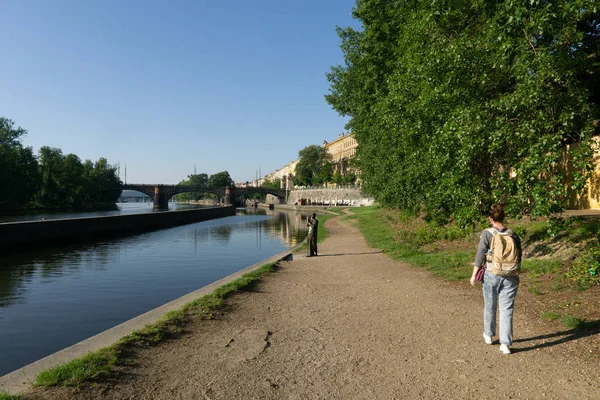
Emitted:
<point x="77" y="291"/>
<point x="97" y="356"/>
<point x="352" y="323"/>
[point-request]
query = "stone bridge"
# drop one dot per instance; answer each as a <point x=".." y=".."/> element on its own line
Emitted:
<point x="162" y="193"/>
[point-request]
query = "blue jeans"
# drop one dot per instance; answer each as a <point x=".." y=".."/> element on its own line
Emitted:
<point x="503" y="288"/>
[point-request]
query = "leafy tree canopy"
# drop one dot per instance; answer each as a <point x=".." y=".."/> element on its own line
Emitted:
<point x="200" y="180"/>
<point x="52" y="178"/>
<point x="272" y="184"/>
<point x="314" y="166"/>
<point x="19" y="177"/>
<point x="66" y="181"/>
<point x="220" y="179"/>
<point x="459" y="104"/>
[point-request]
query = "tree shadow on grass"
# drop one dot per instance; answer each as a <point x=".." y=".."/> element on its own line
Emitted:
<point x="585" y="329"/>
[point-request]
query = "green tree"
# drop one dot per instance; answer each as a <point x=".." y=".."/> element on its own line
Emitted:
<point x="220" y="179"/>
<point x="200" y="180"/>
<point x="104" y="176"/>
<point x="52" y="190"/>
<point x="456" y="105"/>
<point x="314" y="166"/>
<point x="337" y="178"/>
<point x="349" y="178"/>
<point x="66" y="181"/>
<point x="77" y="191"/>
<point x="274" y="184"/>
<point x="19" y="178"/>
<point x="53" y="178"/>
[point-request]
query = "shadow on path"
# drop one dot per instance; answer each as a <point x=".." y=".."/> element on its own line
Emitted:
<point x="587" y="329"/>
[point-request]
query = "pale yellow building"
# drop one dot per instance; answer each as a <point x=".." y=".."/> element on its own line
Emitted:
<point x="285" y="174"/>
<point x="590" y="198"/>
<point x="342" y="150"/>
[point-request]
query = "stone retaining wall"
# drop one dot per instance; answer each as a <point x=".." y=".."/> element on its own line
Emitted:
<point x="329" y="197"/>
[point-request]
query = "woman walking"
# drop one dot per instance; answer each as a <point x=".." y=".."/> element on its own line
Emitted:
<point x="499" y="252"/>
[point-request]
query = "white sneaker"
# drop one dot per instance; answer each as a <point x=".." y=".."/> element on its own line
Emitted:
<point x="487" y="339"/>
<point x="504" y="349"/>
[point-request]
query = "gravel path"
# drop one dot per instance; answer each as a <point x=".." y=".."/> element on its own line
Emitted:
<point x="350" y="324"/>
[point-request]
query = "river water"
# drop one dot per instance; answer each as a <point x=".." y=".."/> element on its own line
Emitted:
<point x="53" y="298"/>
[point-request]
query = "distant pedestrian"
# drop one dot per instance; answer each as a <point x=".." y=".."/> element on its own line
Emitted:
<point x="499" y="254"/>
<point x="313" y="230"/>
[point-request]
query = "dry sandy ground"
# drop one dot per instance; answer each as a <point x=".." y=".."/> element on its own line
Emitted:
<point x="351" y="324"/>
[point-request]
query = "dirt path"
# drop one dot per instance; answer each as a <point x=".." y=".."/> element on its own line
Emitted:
<point x="350" y="324"/>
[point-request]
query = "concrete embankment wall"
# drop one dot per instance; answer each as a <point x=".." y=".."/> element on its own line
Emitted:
<point x="26" y="233"/>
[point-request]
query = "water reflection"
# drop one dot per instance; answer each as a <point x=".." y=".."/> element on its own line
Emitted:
<point x="290" y="227"/>
<point x="77" y="291"/>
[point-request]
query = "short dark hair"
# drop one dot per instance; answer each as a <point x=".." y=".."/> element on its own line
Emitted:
<point x="496" y="212"/>
<point x="314" y="215"/>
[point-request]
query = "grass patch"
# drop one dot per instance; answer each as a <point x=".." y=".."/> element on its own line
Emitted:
<point x="323" y="233"/>
<point x="101" y="363"/>
<point x="556" y="284"/>
<point x="406" y="244"/>
<point x="6" y="396"/>
<point x="89" y="367"/>
<point x="449" y="250"/>
<point x="535" y="288"/>
<point x="376" y="229"/>
<point x="447" y="265"/>
<point x="535" y="267"/>
<point x="572" y="322"/>
<point x="581" y="229"/>
<point x="534" y="230"/>
<point x="336" y="210"/>
<point x="550" y="315"/>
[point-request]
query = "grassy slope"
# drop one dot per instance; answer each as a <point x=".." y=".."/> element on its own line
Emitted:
<point x="449" y="253"/>
<point x="406" y="245"/>
<point x="447" y="250"/>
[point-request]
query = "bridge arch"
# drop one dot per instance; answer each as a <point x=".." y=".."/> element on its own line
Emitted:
<point x="160" y="194"/>
<point x="130" y="195"/>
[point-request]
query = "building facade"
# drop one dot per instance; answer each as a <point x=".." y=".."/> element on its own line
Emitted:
<point x="285" y="174"/>
<point x="342" y="150"/>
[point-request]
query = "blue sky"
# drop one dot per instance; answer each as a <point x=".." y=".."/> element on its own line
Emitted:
<point x="160" y="86"/>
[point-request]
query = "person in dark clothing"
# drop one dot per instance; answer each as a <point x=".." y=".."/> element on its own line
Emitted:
<point x="313" y="229"/>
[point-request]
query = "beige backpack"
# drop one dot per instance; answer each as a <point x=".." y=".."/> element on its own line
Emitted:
<point x="504" y="257"/>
